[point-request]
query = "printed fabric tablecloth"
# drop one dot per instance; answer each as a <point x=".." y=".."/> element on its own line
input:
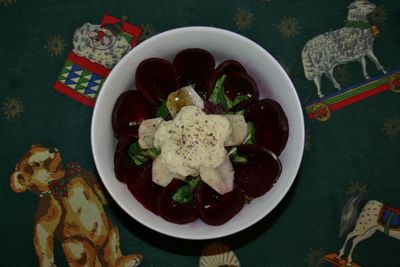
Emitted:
<point x="344" y="60"/>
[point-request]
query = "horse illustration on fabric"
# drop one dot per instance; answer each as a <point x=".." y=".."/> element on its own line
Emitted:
<point x="353" y="42"/>
<point x="374" y="216"/>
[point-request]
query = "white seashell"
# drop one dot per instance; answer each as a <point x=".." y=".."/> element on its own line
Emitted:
<point x="218" y="255"/>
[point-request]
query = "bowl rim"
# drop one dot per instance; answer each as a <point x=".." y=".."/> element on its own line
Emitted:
<point x="296" y="164"/>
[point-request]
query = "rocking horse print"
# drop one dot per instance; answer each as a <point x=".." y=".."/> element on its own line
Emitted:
<point x="375" y="216"/>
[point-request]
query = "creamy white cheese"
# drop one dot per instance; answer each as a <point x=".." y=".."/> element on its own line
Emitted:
<point x="192" y="140"/>
<point x="146" y="132"/>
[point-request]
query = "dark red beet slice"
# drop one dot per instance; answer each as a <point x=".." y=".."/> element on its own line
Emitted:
<point x="156" y="78"/>
<point x="144" y="190"/>
<point x="239" y="84"/>
<point x="258" y="174"/>
<point x="130" y="109"/>
<point x="194" y="66"/>
<point x="124" y="169"/>
<point x="211" y="108"/>
<point x="173" y="211"/>
<point x="271" y="124"/>
<point x="229" y="67"/>
<point x="225" y="67"/>
<point x="216" y="209"/>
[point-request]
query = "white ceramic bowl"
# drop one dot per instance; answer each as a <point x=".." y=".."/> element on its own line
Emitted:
<point x="273" y="83"/>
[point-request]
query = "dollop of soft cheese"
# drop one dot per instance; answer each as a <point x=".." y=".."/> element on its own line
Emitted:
<point x="192" y="140"/>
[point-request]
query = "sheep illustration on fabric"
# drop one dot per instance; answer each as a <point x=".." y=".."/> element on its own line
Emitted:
<point x="353" y="42"/>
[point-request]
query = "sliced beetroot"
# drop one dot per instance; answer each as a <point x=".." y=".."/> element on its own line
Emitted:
<point x="229" y="67"/>
<point x="271" y="124"/>
<point x="211" y="108"/>
<point x="258" y="174"/>
<point x="156" y="78"/>
<point x="173" y="211"/>
<point x="194" y="66"/>
<point x="240" y="84"/>
<point x="124" y="168"/>
<point x="224" y="68"/>
<point x="144" y="190"/>
<point x="216" y="209"/>
<point x="130" y="109"/>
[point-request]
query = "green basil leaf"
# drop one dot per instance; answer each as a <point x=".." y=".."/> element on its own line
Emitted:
<point x="137" y="162"/>
<point x="153" y="152"/>
<point x="162" y="110"/>
<point x="134" y="149"/>
<point x="239" y="99"/>
<point x="184" y="194"/>
<point x="228" y="101"/>
<point x="139" y="155"/>
<point x="247" y="199"/>
<point x="250" y="136"/>
<point x="218" y="95"/>
<point x="238" y="158"/>
<point x="239" y="112"/>
<point x="235" y="157"/>
<point x="193" y="183"/>
<point x="135" y="153"/>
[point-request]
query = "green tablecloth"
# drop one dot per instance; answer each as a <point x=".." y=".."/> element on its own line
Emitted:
<point x="351" y="147"/>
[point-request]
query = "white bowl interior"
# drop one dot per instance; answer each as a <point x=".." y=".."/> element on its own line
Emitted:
<point x="273" y="83"/>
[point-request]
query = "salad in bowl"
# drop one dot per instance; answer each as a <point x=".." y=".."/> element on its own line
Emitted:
<point x="204" y="134"/>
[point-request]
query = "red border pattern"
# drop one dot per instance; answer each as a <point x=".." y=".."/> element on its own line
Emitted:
<point x="93" y="67"/>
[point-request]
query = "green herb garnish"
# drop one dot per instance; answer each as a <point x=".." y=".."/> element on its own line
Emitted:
<point x="162" y="110"/>
<point x="250" y="133"/>
<point x="234" y="155"/>
<point x="239" y="112"/>
<point x="153" y="152"/>
<point x="236" y="101"/>
<point x="139" y="155"/>
<point x="247" y="199"/>
<point x="218" y="96"/>
<point x="184" y="194"/>
<point x="238" y="158"/>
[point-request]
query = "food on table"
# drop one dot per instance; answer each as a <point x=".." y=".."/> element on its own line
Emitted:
<point x="251" y="175"/>
<point x="171" y="211"/>
<point x="185" y="96"/>
<point x="194" y="66"/>
<point x="271" y="124"/>
<point x="129" y="111"/>
<point x="155" y="79"/>
<point x="195" y="141"/>
<point x="239" y="130"/>
<point x="147" y="129"/>
<point x="192" y="143"/>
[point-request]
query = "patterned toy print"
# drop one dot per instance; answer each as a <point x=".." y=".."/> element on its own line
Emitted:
<point x="71" y="210"/>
